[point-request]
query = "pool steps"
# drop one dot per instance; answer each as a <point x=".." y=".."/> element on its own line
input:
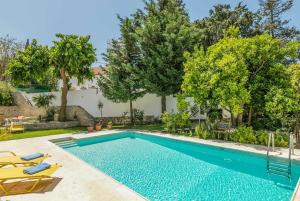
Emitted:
<point x="274" y="166"/>
<point x="66" y="143"/>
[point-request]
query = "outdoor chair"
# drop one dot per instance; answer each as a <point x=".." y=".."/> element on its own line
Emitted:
<point x="16" y="160"/>
<point x="25" y="174"/>
<point x="223" y="129"/>
<point x="16" y="127"/>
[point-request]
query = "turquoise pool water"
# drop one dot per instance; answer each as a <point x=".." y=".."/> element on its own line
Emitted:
<point x="166" y="169"/>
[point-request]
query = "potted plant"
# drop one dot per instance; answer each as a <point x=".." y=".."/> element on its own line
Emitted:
<point x="109" y="125"/>
<point x="98" y="125"/>
<point x="90" y="129"/>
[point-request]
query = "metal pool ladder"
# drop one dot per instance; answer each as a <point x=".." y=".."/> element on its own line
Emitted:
<point x="274" y="166"/>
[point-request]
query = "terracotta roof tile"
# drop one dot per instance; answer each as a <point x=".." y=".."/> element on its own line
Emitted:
<point x="98" y="70"/>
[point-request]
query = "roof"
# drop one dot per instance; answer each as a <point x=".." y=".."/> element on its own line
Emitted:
<point x="98" y="70"/>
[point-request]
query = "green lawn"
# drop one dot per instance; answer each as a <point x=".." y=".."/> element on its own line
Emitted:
<point x="31" y="134"/>
<point x="40" y="133"/>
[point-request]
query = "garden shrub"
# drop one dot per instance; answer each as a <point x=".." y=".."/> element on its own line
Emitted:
<point x="182" y="120"/>
<point x="45" y="101"/>
<point x="173" y="121"/>
<point x="262" y="137"/>
<point x="281" y="139"/>
<point x="198" y="131"/>
<point x="202" y="131"/>
<point x="6" y="96"/>
<point x="138" y="116"/>
<point x="168" y="120"/>
<point x="244" y="134"/>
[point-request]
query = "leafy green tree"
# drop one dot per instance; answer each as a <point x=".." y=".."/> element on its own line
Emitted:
<point x="29" y="64"/>
<point x="165" y="32"/>
<point x="218" y="76"/>
<point x="6" y="94"/>
<point x="72" y="56"/>
<point x="267" y="60"/>
<point x="9" y="48"/>
<point x="295" y="83"/>
<point x="118" y="83"/>
<point x="285" y="104"/>
<point x="237" y="73"/>
<point x="271" y="12"/>
<point x="221" y="17"/>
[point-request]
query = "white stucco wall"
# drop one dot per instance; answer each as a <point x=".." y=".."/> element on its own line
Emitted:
<point x="88" y="99"/>
<point x="87" y="96"/>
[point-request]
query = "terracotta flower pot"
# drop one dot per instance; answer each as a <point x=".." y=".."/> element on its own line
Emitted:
<point x="90" y="129"/>
<point x="98" y="127"/>
<point x="109" y="126"/>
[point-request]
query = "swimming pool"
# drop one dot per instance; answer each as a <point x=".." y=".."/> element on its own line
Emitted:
<point x="165" y="169"/>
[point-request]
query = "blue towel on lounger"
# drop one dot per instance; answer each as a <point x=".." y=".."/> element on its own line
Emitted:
<point x="32" y="156"/>
<point x="36" y="169"/>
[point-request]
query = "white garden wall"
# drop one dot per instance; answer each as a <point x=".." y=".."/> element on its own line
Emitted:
<point x="89" y="98"/>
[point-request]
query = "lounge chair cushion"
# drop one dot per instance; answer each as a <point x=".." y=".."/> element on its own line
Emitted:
<point x="32" y="156"/>
<point x="38" y="168"/>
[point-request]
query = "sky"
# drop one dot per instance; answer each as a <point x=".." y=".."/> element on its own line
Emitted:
<point x="42" y="19"/>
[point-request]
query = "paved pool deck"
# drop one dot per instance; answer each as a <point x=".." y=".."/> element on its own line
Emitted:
<point x="78" y="181"/>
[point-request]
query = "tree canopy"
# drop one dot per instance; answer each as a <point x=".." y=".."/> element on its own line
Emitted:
<point x="221" y="18"/>
<point x="118" y="83"/>
<point x="9" y="48"/>
<point x="164" y="34"/>
<point x="239" y="73"/>
<point x="71" y="56"/>
<point x="271" y="12"/>
<point x="29" y="64"/>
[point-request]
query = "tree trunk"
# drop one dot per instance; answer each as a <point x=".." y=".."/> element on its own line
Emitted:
<point x="240" y="119"/>
<point x="233" y="120"/>
<point x="240" y="116"/>
<point x="131" y="112"/>
<point x="250" y="116"/>
<point x="163" y="104"/>
<point x="64" y="93"/>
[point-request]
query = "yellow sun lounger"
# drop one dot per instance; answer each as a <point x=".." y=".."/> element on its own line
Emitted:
<point x="16" y="173"/>
<point x="15" y="160"/>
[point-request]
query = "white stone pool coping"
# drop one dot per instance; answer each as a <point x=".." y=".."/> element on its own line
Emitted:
<point x="80" y="181"/>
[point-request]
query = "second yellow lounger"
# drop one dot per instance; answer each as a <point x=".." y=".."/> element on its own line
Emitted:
<point x="17" y="173"/>
<point x="15" y="160"/>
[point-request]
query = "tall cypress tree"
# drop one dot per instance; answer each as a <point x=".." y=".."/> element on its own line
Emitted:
<point x="164" y="35"/>
<point x="271" y="12"/>
<point x="118" y="83"/>
<point x="221" y="18"/>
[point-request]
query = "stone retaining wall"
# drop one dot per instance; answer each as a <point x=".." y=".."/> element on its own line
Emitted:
<point x="51" y="125"/>
<point x="77" y="113"/>
<point x="23" y="108"/>
<point x="9" y="111"/>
